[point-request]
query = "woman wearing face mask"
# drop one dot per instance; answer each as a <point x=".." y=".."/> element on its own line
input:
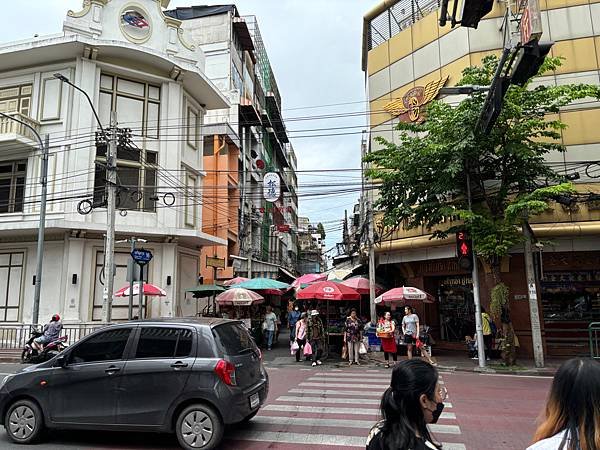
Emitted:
<point x="413" y="400"/>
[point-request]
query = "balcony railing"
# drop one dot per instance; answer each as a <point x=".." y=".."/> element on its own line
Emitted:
<point x="11" y="130"/>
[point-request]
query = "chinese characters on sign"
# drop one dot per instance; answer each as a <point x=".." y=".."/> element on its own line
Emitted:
<point x="271" y="187"/>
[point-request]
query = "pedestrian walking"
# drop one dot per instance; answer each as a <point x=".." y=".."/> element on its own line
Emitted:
<point x="300" y="334"/>
<point x="413" y="400"/>
<point x="572" y="416"/>
<point x="270" y="326"/>
<point x="488" y="334"/>
<point x="410" y="329"/>
<point x="386" y="329"/>
<point x="353" y="337"/>
<point x="293" y="317"/>
<point x="316" y="336"/>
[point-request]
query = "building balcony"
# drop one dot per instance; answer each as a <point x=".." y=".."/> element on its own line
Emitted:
<point x="14" y="134"/>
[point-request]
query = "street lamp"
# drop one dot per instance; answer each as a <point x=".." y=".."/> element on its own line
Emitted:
<point x="111" y="183"/>
<point x="42" y="226"/>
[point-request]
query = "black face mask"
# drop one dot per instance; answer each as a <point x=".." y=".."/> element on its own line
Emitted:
<point x="438" y="412"/>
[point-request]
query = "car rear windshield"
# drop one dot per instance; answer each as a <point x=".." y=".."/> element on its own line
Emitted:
<point x="234" y="339"/>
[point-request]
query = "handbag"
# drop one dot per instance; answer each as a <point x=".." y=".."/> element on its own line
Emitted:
<point x="362" y="349"/>
<point x="294" y="347"/>
<point x="344" y="351"/>
<point x="307" y="349"/>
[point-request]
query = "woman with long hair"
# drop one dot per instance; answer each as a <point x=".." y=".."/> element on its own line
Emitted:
<point x="572" y="413"/>
<point x="413" y="400"/>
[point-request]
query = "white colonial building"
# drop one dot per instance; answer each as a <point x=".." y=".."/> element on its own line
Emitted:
<point x="131" y="58"/>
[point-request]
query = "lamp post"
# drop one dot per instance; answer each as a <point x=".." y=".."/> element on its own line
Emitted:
<point x="111" y="183"/>
<point x="42" y="226"/>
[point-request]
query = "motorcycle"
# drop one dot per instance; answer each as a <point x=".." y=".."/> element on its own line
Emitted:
<point x="31" y="355"/>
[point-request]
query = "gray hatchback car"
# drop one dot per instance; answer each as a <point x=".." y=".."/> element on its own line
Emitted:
<point x="191" y="377"/>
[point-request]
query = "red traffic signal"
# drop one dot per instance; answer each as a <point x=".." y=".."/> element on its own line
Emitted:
<point x="464" y="250"/>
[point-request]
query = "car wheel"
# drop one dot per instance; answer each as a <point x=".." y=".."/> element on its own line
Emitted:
<point x="199" y="426"/>
<point x="24" y="422"/>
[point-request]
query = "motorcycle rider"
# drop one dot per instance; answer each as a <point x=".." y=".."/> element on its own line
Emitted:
<point x="51" y="332"/>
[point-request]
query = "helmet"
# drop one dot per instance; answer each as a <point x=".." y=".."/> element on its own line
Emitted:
<point x="55" y="318"/>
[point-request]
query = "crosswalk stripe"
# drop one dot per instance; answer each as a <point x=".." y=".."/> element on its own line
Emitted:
<point x="314" y="439"/>
<point x="300" y="438"/>
<point x="347" y="380"/>
<point x="353" y="374"/>
<point x="365" y="401"/>
<point x="334" y="410"/>
<point x="340" y="423"/>
<point x="383" y="387"/>
<point x="336" y="392"/>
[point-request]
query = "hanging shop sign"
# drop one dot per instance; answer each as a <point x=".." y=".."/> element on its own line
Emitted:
<point x="218" y="263"/>
<point x="283" y="228"/>
<point x="410" y="107"/>
<point x="271" y="187"/>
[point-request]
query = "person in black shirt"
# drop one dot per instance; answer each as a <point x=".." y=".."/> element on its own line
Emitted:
<point x="413" y="400"/>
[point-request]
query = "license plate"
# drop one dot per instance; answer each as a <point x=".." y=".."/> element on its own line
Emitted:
<point x="254" y="400"/>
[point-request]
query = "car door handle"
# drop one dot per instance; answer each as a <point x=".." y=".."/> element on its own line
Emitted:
<point x="112" y="370"/>
<point x="179" y="365"/>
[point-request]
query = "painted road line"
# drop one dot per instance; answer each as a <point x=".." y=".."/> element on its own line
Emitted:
<point x="348" y="380"/>
<point x="353" y="374"/>
<point x="336" y="392"/>
<point x="340" y="423"/>
<point x="366" y="401"/>
<point x="331" y="410"/>
<point x="314" y="439"/>
<point x="355" y="401"/>
<point x="383" y="387"/>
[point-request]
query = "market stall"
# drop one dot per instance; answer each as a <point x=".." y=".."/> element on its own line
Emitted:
<point x="205" y="291"/>
<point x="239" y="304"/>
<point x="330" y="292"/>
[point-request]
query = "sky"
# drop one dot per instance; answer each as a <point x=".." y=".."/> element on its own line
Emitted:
<point x="314" y="47"/>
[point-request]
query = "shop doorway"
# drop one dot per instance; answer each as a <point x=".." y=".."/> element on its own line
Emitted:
<point x="456" y="309"/>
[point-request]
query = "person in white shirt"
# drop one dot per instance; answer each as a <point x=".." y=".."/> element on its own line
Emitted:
<point x="270" y="326"/>
<point x="572" y="413"/>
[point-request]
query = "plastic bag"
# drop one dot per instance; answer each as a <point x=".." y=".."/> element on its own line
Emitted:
<point x="294" y="348"/>
<point x="344" y="351"/>
<point x="307" y="349"/>
<point x="362" y="349"/>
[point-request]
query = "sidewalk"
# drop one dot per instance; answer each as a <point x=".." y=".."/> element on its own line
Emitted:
<point x="448" y="361"/>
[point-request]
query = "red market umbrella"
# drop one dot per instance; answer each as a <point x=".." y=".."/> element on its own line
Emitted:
<point x="309" y="278"/>
<point x="149" y="290"/>
<point x="361" y="285"/>
<point x="327" y="290"/>
<point x="236" y="280"/>
<point x="239" y="297"/>
<point x="403" y="294"/>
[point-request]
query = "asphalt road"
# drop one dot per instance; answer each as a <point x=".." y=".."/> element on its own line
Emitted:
<point x="326" y="408"/>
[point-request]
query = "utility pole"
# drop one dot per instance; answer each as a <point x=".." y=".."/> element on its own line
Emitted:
<point x="141" y="299"/>
<point x="111" y="186"/>
<point x="372" y="310"/>
<point x="476" y="298"/>
<point x="41" y="232"/>
<point x="44" y="147"/>
<point x="534" y="314"/>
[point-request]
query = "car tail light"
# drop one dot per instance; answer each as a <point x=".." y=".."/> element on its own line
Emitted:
<point x="226" y="372"/>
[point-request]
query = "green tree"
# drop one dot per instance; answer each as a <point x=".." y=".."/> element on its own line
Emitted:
<point x="321" y="230"/>
<point x="423" y="179"/>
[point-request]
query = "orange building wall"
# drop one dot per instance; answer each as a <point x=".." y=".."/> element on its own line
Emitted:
<point x="220" y="207"/>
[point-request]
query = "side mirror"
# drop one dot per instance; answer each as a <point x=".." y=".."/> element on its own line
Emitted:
<point x="61" y="361"/>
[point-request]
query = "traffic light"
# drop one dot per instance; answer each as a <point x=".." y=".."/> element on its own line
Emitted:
<point x="494" y="105"/>
<point x="464" y="250"/>
<point x="473" y="11"/>
<point x="529" y="61"/>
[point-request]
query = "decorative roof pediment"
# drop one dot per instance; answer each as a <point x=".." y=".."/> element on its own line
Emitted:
<point x="140" y="22"/>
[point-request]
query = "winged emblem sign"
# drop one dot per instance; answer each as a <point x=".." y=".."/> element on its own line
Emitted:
<point x="408" y="108"/>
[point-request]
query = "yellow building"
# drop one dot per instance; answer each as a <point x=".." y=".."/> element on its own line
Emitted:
<point x="404" y="48"/>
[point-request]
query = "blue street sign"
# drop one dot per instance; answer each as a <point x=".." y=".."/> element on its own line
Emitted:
<point x="141" y="256"/>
